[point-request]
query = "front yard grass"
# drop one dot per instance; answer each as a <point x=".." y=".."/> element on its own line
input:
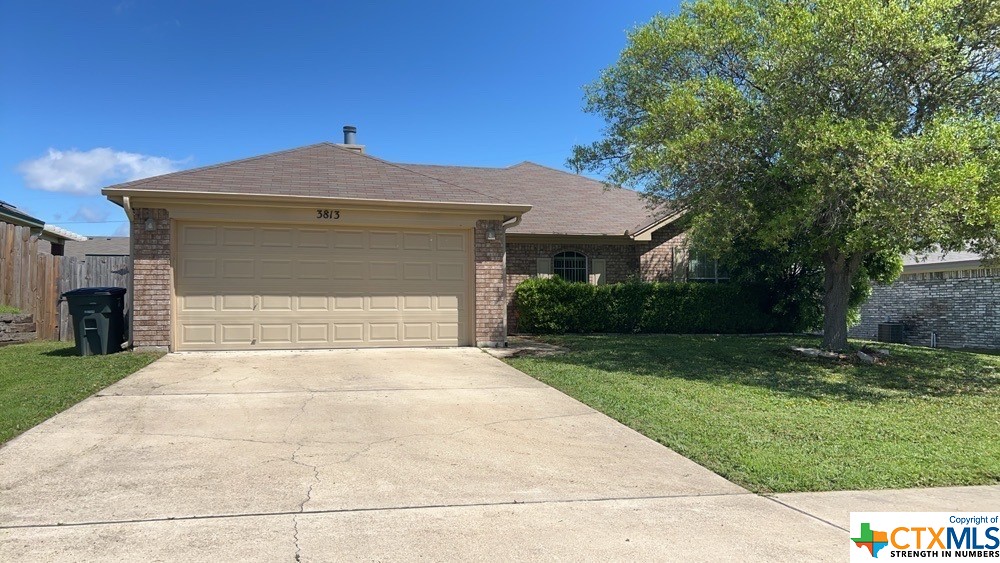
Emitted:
<point x="40" y="379"/>
<point x="772" y="420"/>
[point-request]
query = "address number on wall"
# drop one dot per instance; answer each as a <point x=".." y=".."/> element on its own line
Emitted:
<point x="328" y="214"/>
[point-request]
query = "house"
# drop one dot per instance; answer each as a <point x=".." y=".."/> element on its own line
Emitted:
<point x="327" y="246"/>
<point x="53" y="238"/>
<point x="943" y="299"/>
<point x="98" y="247"/>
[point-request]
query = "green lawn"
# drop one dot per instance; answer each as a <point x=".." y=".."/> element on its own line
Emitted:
<point x="774" y="421"/>
<point x="40" y="379"/>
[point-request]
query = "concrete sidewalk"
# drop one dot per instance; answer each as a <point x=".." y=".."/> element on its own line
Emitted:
<point x="376" y="455"/>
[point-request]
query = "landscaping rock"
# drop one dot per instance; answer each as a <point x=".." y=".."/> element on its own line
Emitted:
<point x="521" y="346"/>
<point x="811" y="352"/>
<point x="17" y="328"/>
<point x="866" y="358"/>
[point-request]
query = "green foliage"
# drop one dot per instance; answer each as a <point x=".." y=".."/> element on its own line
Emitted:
<point x="8" y="310"/>
<point x="838" y="129"/>
<point x="555" y="306"/>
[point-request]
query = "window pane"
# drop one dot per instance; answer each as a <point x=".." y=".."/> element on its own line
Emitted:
<point x="570" y="266"/>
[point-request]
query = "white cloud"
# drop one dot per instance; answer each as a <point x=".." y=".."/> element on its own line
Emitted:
<point x="122" y="230"/>
<point x="89" y="214"/>
<point x="85" y="172"/>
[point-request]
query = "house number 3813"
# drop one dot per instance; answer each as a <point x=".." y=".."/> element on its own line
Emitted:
<point x="328" y="214"/>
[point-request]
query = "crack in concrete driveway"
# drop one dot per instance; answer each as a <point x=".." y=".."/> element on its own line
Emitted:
<point x="375" y="454"/>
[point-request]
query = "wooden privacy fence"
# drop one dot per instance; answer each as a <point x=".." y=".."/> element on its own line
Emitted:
<point x="34" y="281"/>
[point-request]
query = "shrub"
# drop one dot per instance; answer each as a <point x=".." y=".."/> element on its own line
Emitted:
<point x="554" y="305"/>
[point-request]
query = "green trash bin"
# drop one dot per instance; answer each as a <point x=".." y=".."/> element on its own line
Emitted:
<point x="98" y="319"/>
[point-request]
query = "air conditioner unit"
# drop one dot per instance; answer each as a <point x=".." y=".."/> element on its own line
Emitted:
<point x="890" y="332"/>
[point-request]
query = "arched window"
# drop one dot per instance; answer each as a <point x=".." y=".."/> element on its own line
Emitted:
<point x="570" y="266"/>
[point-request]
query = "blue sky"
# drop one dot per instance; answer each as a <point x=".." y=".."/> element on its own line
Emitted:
<point x="98" y="92"/>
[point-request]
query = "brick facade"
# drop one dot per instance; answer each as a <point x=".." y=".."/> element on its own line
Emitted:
<point x="655" y="260"/>
<point x="665" y="257"/>
<point x="151" y="279"/>
<point x="963" y="311"/>
<point x="491" y="293"/>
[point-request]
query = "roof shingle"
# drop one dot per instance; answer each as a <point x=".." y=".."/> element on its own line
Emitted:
<point x="562" y="203"/>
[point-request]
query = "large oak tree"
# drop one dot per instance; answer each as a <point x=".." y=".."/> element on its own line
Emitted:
<point x="851" y="129"/>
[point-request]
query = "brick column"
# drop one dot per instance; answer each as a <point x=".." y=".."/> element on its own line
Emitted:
<point x="491" y="293"/>
<point x="151" y="273"/>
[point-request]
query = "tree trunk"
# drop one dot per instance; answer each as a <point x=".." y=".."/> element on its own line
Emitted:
<point x="838" y="271"/>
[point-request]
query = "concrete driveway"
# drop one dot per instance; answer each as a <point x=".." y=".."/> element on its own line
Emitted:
<point x="369" y="455"/>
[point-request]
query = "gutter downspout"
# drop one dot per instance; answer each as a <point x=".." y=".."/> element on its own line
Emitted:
<point x="506" y="225"/>
<point x="127" y="205"/>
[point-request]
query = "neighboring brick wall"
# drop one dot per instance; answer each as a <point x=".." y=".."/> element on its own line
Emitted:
<point x="151" y="279"/>
<point x="964" y="312"/>
<point x="665" y="257"/>
<point x="491" y="296"/>
<point x="522" y="263"/>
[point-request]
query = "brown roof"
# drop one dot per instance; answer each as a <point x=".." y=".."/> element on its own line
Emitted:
<point x="320" y="170"/>
<point x="562" y="203"/>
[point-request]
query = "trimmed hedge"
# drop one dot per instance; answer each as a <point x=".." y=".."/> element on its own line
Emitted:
<point x="553" y="305"/>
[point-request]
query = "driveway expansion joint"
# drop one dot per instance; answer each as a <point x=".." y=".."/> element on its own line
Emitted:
<point x="320" y="512"/>
<point x="809" y="514"/>
<point x="152" y="392"/>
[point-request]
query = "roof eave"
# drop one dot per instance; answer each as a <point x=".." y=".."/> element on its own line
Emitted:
<point x="116" y="195"/>
<point x="928" y="267"/>
<point x="646" y="233"/>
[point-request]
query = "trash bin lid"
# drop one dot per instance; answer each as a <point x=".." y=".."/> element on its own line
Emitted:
<point x="95" y="291"/>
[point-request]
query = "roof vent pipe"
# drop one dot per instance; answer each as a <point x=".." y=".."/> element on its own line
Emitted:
<point x="350" y="133"/>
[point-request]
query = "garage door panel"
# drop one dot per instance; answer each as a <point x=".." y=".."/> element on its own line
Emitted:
<point x="418" y="241"/>
<point x="349" y="239"/>
<point x="383" y="332"/>
<point x="281" y="238"/>
<point x="236" y="333"/>
<point x="282" y="303"/>
<point x="314" y="238"/>
<point x="418" y="271"/>
<point x="198" y="236"/>
<point x="380" y="270"/>
<point x="238" y="268"/>
<point x="271" y="269"/>
<point x="451" y="242"/>
<point x="280" y="333"/>
<point x="308" y="333"/>
<point x="383" y="240"/>
<point x="260" y="287"/>
<point x="238" y="236"/>
<point x="343" y="270"/>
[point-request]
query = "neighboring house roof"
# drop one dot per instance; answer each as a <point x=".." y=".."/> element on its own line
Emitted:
<point x="14" y="216"/>
<point x="561" y="202"/>
<point x="941" y="262"/>
<point x="98" y="246"/>
<point x="11" y="214"/>
<point x="321" y="170"/>
<point x="58" y="234"/>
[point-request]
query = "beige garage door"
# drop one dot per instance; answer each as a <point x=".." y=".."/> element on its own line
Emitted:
<point x="250" y="287"/>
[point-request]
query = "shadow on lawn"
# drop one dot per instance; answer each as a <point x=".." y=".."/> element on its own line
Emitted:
<point x="61" y="352"/>
<point x="767" y="362"/>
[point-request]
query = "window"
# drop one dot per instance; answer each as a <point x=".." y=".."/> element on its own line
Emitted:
<point x="570" y="266"/>
<point x="704" y="268"/>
